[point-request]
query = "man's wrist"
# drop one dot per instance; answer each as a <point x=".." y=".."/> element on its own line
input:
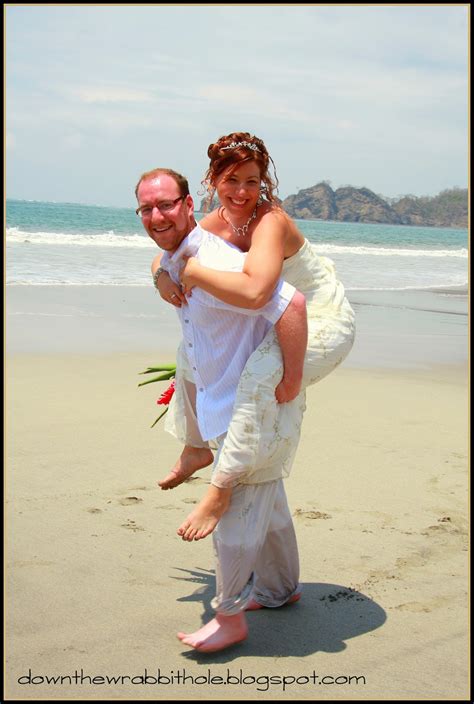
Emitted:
<point x="157" y="275"/>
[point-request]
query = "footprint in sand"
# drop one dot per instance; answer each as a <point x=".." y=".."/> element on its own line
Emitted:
<point x="168" y="507"/>
<point x="426" y="607"/>
<point x="190" y="501"/>
<point x="299" y="513"/>
<point x="447" y="525"/>
<point x="128" y="500"/>
<point x="94" y="510"/>
<point x="419" y="559"/>
<point x="131" y="525"/>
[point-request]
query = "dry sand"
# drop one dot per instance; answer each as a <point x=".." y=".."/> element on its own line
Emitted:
<point x="98" y="583"/>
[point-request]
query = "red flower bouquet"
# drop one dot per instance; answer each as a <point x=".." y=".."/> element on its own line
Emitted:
<point x="168" y="372"/>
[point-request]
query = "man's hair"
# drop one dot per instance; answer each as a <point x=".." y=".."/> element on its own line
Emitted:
<point x="181" y="181"/>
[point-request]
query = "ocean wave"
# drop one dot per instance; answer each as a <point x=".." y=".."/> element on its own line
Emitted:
<point x="52" y="282"/>
<point x="449" y="289"/>
<point x="106" y="239"/>
<point x="111" y="239"/>
<point x="390" y="252"/>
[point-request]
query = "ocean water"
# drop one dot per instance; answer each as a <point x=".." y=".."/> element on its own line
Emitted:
<point x="71" y="244"/>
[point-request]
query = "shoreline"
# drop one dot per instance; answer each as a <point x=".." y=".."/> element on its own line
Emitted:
<point x="399" y="329"/>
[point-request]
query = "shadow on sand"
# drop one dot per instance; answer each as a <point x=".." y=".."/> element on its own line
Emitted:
<point x="326" y="616"/>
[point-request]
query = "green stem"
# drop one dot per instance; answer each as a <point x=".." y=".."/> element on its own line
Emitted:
<point x="164" y="368"/>
<point x="162" y="377"/>
<point x="160" y="416"/>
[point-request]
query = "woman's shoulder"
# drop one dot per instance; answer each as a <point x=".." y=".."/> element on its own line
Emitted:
<point x="272" y="216"/>
<point x="275" y="222"/>
<point x="275" y="217"/>
<point x="212" y="222"/>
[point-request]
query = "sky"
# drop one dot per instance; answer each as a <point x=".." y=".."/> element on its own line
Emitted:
<point x="371" y="96"/>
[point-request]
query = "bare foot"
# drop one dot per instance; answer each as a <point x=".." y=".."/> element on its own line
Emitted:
<point x="206" y="515"/>
<point x="190" y="460"/>
<point x="254" y="605"/>
<point x="218" y="634"/>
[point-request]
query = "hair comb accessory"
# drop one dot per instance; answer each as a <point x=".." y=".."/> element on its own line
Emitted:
<point x="249" y="145"/>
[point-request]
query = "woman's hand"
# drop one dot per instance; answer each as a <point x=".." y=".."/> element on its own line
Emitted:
<point x="169" y="291"/>
<point x="186" y="273"/>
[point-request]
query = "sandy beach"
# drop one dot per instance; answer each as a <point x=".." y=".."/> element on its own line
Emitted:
<point x="98" y="583"/>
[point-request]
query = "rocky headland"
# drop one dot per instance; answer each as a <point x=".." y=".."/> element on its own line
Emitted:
<point x="348" y="204"/>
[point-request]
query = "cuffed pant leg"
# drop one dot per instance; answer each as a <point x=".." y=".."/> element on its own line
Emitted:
<point x="238" y="540"/>
<point x="277" y="565"/>
<point x="181" y="419"/>
<point x="193" y="435"/>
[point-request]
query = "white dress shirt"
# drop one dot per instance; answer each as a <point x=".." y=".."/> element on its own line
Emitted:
<point x="218" y="337"/>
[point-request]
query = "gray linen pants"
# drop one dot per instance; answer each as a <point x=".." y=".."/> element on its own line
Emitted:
<point x="255" y="548"/>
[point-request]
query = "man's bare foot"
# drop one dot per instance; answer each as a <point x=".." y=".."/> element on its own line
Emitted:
<point x="190" y="460"/>
<point x="206" y="515"/>
<point x="221" y="632"/>
<point x="254" y="605"/>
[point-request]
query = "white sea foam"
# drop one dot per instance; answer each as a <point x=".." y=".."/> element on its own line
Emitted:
<point x="106" y="239"/>
<point x="111" y="239"/>
<point x="386" y="252"/>
<point x="448" y="289"/>
<point x="56" y="282"/>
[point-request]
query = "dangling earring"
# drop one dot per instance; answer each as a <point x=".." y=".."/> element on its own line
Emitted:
<point x="260" y="197"/>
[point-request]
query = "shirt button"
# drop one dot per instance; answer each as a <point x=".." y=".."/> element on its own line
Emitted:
<point x="195" y="369"/>
<point x="186" y="321"/>
<point x="201" y="389"/>
<point x="190" y="344"/>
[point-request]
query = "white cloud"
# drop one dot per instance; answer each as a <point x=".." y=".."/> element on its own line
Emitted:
<point x="256" y="102"/>
<point x="101" y="94"/>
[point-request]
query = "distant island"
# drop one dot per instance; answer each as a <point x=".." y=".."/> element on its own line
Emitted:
<point x="349" y="204"/>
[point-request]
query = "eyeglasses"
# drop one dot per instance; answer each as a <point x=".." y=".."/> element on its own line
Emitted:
<point x="165" y="206"/>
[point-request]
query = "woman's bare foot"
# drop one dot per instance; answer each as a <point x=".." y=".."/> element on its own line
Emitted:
<point x="206" y="515"/>
<point x="190" y="460"/>
<point x="254" y="605"/>
<point x="221" y="632"/>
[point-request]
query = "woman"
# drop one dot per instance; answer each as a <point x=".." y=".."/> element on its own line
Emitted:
<point x="250" y="218"/>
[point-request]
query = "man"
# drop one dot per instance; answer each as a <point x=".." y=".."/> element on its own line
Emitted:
<point x="218" y="339"/>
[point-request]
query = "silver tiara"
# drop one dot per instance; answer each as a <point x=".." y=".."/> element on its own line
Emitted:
<point x="249" y="145"/>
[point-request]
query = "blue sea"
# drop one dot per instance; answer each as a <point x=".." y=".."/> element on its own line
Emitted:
<point x="71" y="244"/>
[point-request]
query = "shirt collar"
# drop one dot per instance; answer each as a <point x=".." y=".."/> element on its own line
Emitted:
<point x="188" y="247"/>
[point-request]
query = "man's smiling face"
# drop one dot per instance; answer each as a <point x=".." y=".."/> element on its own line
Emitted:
<point x="167" y="216"/>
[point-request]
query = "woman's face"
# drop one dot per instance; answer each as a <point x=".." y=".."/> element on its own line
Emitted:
<point x="239" y="189"/>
